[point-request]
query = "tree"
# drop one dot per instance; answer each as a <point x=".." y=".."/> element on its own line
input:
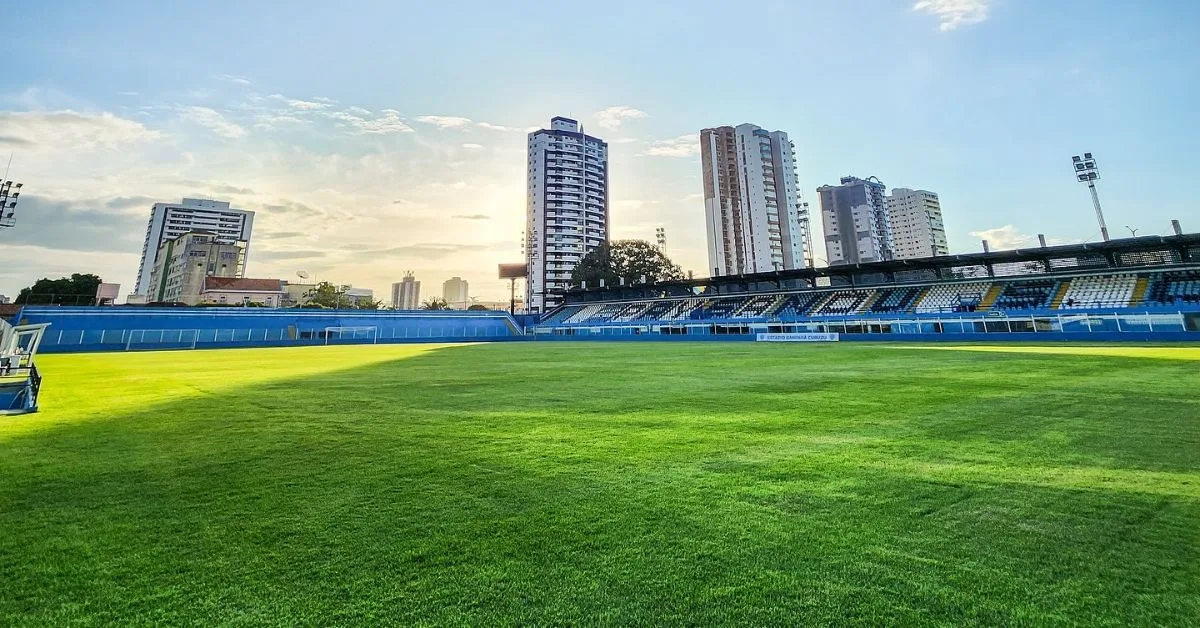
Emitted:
<point x="326" y="295"/>
<point x="477" y="307"/>
<point x="435" y="303"/>
<point x="628" y="259"/>
<point x="78" y="290"/>
<point x="368" y="304"/>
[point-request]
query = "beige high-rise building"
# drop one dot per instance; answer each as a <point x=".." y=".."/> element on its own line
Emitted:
<point x="567" y="207"/>
<point x="916" y="222"/>
<point x="454" y="291"/>
<point x="406" y="294"/>
<point x="755" y="218"/>
<point x="182" y="262"/>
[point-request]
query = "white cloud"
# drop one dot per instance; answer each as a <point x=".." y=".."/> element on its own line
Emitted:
<point x="271" y="121"/>
<point x="324" y="99"/>
<point x="129" y="93"/>
<point x="233" y="78"/>
<point x="1004" y="238"/>
<point x="494" y="127"/>
<point x="612" y="117"/>
<point x="358" y="111"/>
<point x="445" y="122"/>
<point x="623" y="140"/>
<point x="472" y="146"/>
<point x="68" y="130"/>
<point x="952" y="14"/>
<point x="385" y="124"/>
<point x="213" y="120"/>
<point x="303" y="105"/>
<point x="682" y="146"/>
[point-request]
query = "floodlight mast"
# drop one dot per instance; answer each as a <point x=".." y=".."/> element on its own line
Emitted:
<point x="1086" y="171"/>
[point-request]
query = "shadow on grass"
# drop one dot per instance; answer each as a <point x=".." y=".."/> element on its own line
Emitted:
<point x="617" y="484"/>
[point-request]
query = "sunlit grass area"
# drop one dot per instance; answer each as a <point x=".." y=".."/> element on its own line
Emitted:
<point x="618" y="484"/>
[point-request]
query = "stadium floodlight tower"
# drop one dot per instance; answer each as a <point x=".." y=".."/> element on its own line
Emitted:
<point x="9" y="193"/>
<point x="1086" y="171"/>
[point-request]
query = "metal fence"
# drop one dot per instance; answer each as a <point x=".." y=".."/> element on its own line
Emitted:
<point x="152" y="339"/>
<point x="1070" y="322"/>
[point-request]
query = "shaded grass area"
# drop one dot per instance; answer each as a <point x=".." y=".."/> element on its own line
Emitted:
<point x="606" y="484"/>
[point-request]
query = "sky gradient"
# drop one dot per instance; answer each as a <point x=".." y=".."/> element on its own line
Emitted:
<point x="373" y="138"/>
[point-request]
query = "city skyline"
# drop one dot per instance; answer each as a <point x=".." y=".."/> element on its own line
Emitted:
<point x="355" y="179"/>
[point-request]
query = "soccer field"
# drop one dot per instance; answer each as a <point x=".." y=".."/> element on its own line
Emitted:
<point x="617" y="484"/>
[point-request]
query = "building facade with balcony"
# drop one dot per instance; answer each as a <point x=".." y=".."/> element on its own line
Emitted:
<point x="566" y="208"/>
<point x="182" y="263"/>
<point x="171" y="220"/>
<point x="915" y="217"/>
<point x="754" y="216"/>
<point x="854" y="215"/>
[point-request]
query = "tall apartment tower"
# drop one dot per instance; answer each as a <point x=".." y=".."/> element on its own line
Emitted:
<point x="454" y="291"/>
<point x="567" y="207"/>
<point x="916" y="220"/>
<point x="406" y="293"/>
<point x="855" y="217"/>
<point x="171" y="220"/>
<point x="755" y="218"/>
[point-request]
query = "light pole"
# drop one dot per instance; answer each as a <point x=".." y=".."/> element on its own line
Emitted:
<point x="1086" y="171"/>
<point x="1132" y="231"/>
<point x="9" y="193"/>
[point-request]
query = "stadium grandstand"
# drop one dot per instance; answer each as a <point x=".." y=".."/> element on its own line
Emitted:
<point x="1147" y="286"/>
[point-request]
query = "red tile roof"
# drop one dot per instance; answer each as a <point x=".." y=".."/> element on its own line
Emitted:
<point x="238" y="284"/>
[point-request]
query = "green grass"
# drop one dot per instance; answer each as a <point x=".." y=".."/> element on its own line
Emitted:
<point x="616" y="484"/>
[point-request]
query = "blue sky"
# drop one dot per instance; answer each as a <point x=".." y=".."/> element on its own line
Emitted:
<point x="378" y="137"/>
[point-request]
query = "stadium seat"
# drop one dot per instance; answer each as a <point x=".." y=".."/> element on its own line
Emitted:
<point x="952" y="297"/>
<point x="842" y="302"/>
<point x="1101" y="291"/>
<point x="897" y="300"/>
<point x="795" y="306"/>
<point x="1174" y="287"/>
<point x="1026" y="295"/>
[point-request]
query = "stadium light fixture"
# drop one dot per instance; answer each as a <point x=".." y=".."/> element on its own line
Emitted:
<point x="1086" y="171"/>
<point x="9" y="193"/>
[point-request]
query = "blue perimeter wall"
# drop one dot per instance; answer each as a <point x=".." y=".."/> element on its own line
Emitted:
<point x="121" y="328"/>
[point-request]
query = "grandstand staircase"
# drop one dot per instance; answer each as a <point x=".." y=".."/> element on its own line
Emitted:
<point x="1139" y="291"/>
<point x="912" y="307"/>
<point x="1060" y="294"/>
<point x="741" y="309"/>
<point x="676" y="311"/>
<point x="773" y="308"/>
<point x="989" y="299"/>
<point x="870" y="300"/>
<point x="821" y="303"/>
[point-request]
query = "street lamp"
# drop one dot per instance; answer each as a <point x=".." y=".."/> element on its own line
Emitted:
<point x="9" y="193"/>
<point x="1086" y="171"/>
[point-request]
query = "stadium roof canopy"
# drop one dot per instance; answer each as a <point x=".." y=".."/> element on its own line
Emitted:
<point x="1164" y="251"/>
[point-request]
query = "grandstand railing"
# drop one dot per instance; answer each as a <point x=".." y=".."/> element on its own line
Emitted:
<point x="1073" y="322"/>
<point x="134" y="339"/>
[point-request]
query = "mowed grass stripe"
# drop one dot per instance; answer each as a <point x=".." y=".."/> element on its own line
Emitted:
<point x="616" y="484"/>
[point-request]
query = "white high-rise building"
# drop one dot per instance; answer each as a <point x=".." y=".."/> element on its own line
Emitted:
<point x="454" y="291"/>
<point x="855" y="218"/>
<point x="567" y="207"/>
<point x="406" y="293"/>
<point x="915" y="217"/>
<point x="756" y="220"/>
<point x="171" y="220"/>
